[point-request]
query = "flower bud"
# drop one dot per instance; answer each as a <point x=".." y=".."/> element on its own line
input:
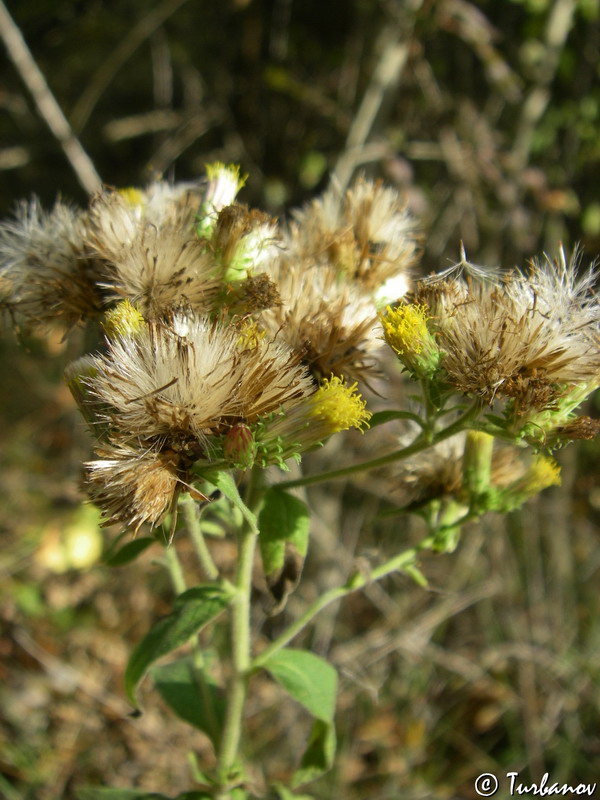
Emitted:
<point x="405" y="330"/>
<point x="239" y="446"/>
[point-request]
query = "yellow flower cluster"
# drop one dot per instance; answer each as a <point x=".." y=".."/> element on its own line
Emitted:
<point x="340" y="405"/>
<point x="405" y="328"/>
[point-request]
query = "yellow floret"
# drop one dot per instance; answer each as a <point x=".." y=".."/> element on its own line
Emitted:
<point x="340" y="405"/>
<point x="132" y="196"/>
<point x="122" y="320"/>
<point x="251" y="335"/>
<point x="405" y="328"/>
<point x="228" y="173"/>
<point x="544" y="472"/>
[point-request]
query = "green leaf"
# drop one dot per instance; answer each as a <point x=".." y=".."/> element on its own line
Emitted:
<point x="193" y="610"/>
<point x="192" y="694"/>
<point x="307" y="678"/>
<point x="128" y="552"/>
<point x="381" y="417"/>
<point x="225" y="483"/>
<point x="107" y="793"/>
<point x="284" y="523"/>
<point x="319" y="755"/>
<point x="285" y="793"/>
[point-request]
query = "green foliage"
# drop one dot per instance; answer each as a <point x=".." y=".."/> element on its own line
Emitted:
<point x="307" y="678"/>
<point x="226" y="484"/>
<point x="108" y="793"/>
<point x="193" y="610"/>
<point x="192" y="694"/>
<point x="319" y="754"/>
<point x="129" y="552"/>
<point x="284" y="523"/>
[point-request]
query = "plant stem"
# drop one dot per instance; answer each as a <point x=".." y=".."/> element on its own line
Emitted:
<point x="355" y="582"/>
<point x="194" y="527"/>
<point x="240" y="646"/>
<point x="175" y="570"/>
<point x="422" y="443"/>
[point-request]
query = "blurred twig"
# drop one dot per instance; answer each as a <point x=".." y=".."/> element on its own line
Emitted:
<point x="557" y="30"/>
<point x="115" y="60"/>
<point x="46" y="104"/>
<point x="385" y="77"/>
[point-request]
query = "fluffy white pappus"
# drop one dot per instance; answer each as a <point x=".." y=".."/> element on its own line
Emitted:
<point x="162" y="268"/>
<point x="172" y="202"/>
<point x="158" y="383"/>
<point x="132" y="486"/>
<point x="525" y="338"/>
<point x="379" y="215"/>
<point x="368" y="234"/>
<point x="260" y="246"/>
<point x="45" y="278"/>
<point x="326" y="319"/>
<point x="117" y="218"/>
<point x="559" y="288"/>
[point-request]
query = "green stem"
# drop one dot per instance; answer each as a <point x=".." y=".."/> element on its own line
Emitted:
<point x="175" y="570"/>
<point x="477" y="463"/>
<point x="194" y="527"/>
<point x="240" y="647"/>
<point x="355" y="582"/>
<point x="422" y="443"/>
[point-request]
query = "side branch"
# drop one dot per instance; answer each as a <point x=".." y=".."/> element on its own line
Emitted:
<point x="46" y="103"/>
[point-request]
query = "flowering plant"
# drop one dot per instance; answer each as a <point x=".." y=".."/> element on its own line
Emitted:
<point x="232" y="346"/>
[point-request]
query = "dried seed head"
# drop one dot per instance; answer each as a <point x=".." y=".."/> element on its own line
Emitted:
<point x="46" y="280"/>
<point x="442" y="472"/>
<point x="527" y="338"/>
<point x="191" y="377"/>
<point x="326" y="320"/>
<point x="132" y="486"/>
<point x="368" y="236"/>
<point x="155" y="262"/>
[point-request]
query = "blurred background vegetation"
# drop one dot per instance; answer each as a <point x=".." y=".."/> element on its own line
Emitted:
<point x="486" y="115"/>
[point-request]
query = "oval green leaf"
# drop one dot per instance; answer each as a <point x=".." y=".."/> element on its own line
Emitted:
<point x="128" y="552"/>
<point x="192" y="694"/>
<point x="307" y="678"/>
<point x="193" y="610"/>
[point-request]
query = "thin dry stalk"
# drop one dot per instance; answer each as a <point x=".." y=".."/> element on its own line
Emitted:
<point x="46" y="103"/>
